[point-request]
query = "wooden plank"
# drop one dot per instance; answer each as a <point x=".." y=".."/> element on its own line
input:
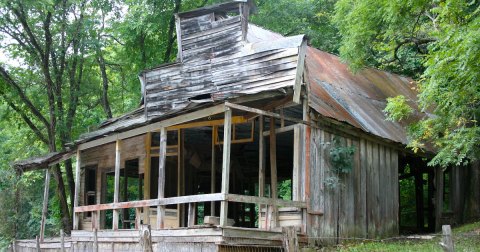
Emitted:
<point x="213" y="172"/>
<point x="179" y="38"/>
<point x="281" y="130"/>
<point x="297" y="142"/>
<point x="273" y="173"/>
<point x="45" y="204"/>
<point x="396" y="192"/>
<point x="265" y="201"/>
<point x="146" y="176"/>
<point x="371" y="204"/>
<point x="77" y="189"/>
<point x="360" y="189"/>
<point x="266" y="113"/>
<point x="118" y="151"/>
<point x="302" y="49"/>
<point x="227" y="137"/>
<point x="153" y="202"/>
<point x="261" y="163"/>
<point x="161" y="177"/>
<point x="191" y="214"/>
<point x="155" y="126"/>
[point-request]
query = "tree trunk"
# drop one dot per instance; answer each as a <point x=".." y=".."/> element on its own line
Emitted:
<point x="103" y="70"/>
<point x="171" y="28"/>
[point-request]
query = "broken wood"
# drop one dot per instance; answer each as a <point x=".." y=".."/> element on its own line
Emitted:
<point x="290" y="239"/>
<point x="146" y="238"/>
<point x="447" y="240"/>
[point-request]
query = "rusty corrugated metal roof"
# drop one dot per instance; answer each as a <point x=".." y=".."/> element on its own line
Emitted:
<point x="357" y="99"/>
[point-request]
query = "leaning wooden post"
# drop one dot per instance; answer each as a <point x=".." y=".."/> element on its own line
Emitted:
<point x="261" y="167"/>
<point x="45" y="204"/>
<point x="161" y="177"/>
<point x="77" y="191"/>
<point x="227" y="134"/>
<point x="273" y="172"/>
<point x="118" y="150"/>
<point x="447" y="240"/>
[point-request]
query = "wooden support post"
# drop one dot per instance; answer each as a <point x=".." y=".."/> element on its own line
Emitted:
<point x="125" y="198"/>
<point x="77" y="190"/>
<point x="118" y="150"/>
<point x="447" y="240"/>
<point x="161" y="177"/>
<point x="261" y="166"/>
<point x="94" y="219"/>
<point x="138" y="217"/>
<point x="419" y="198"/>
<point x="213" y="172"/>
<point x="95" y="240"/>
<point x="227" y="134"/>
<point x="439" y="186"/>
<point x="191" y="214"/>
<point x="37" y="241"/>
<point x="273" y="172"/>
<point x="62" y="240"/>
<point x="45" y="204"/>
<point x="146" y="177"/>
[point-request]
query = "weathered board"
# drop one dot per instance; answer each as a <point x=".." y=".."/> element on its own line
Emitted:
<point x="218" y="63"/>
<point x="364" y="203"/>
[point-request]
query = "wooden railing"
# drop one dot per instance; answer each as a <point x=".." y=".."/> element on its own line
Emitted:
<point x="191" y="200"/>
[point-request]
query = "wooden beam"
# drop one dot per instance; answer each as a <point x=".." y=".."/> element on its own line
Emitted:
<point x="118" y="150"/>
<point x="146" y="176"/>
<point x="213" y="173"/>
<point x="265" y="113"/>
<point x="188" y="117"/>
<point x="208" y="123"/>
<point x="281" y="130"/>
<point x="77" y="190"/>
<point x="179" y="38"/>
<point x="302" y="49"/>
<point x="261" y="164"/>
<point x="226" y="164"/>
<point x="297" y="162"/>
<point x="45" y="204"/>
<point x="273" y="172"/>
<point x="161" y="177"/>
<point x="153" y="202"/>
<point x="264" y="200"/>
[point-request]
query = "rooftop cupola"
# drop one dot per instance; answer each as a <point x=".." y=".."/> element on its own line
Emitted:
<point x="212" y="31"/>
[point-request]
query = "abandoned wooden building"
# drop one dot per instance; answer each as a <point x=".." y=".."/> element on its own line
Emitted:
<point x="235" y="143"/>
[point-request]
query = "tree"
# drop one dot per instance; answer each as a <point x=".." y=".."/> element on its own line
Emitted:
<point x="438" y="43"/>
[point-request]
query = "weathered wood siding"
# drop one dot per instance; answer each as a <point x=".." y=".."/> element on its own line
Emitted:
<point x="365" y="203"/>
<point x="103" y="158"/>
<point x="217" y="63"/>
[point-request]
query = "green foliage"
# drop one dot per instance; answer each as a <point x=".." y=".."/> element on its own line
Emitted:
<point x="435" y="41"/>
<point x="284" y="189"/>
<point x="341" y="156"/>
<point x="397" y="108"/>
<point x="310" y="17"/>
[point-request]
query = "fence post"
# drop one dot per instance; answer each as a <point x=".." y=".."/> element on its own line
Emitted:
<point x="447" y="241"/>
<point x="62" y="240"/>
<point x="38" y="243"/>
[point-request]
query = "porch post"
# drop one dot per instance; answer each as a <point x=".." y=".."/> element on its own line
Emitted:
<point x="161" y="177"/>
<point x="45" y="204"/>
<point x="77" y="190"/>
<point x="261" y="167"/>
<point x="118" y="150"/>
<point x="227" y="134"/>
<point x="273" y="174"/>
<point x="213" y="172"/>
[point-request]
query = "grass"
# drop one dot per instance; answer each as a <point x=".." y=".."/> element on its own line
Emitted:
<point x="466" y="238"/>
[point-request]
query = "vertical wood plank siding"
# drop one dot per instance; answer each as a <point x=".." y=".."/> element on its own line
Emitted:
<point x="365" y="203"/>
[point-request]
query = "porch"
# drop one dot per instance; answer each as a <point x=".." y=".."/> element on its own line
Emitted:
<point x="188" y="184"/>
